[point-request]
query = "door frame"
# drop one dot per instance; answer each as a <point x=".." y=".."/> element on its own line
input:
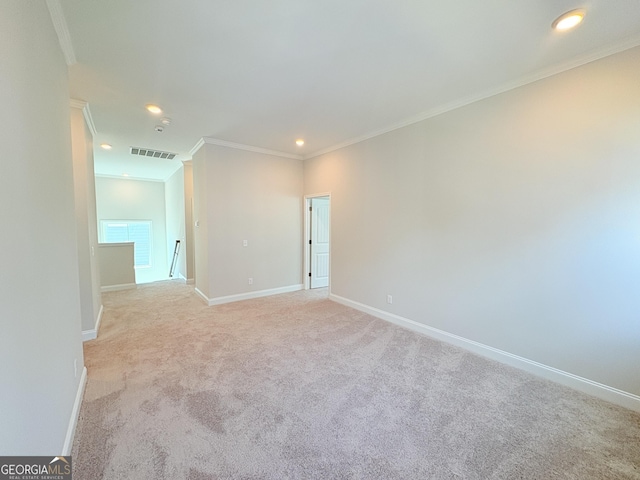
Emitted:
<point x="306" y="265"/>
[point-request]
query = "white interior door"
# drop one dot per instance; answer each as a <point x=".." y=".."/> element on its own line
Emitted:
<point x="319" y="238"/>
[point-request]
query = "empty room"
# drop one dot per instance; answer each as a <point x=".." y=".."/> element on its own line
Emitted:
<point x="363" y="240"/>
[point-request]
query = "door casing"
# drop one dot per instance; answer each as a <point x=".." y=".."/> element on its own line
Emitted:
<point x="307" y="237"/>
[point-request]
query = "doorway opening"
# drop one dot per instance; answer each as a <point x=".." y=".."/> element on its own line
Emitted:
<point x="317" y="245"/>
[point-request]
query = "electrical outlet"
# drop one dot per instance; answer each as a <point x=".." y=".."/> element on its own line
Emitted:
<point x="250" y="281"/>
<point x="389" y="299"/>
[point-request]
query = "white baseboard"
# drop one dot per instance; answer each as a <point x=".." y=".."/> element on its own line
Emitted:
<point x="75" y="413"/>
<point x="89" y="335"/>
<point x="93" y="334"/>
<point x="605" y="392"/>
<point x="114" y="288"/>
<point x="188" y="281"/>
<point x="202" y="295"/>
<point x="249" y="295"/>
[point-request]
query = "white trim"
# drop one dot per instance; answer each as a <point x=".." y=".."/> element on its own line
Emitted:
<point x="89" y="119"/>
<point x="630" y="42"/>
<point x="62" y="30"/>
<point x="196" y="147"/>
<point x="132" y="177"/>
<point x="89" y="335"/>
<point x="75" y="103"/>
<point x="84" y="106"/>
<point x="249" y="148"/>
<point x="306" y="265"/>
<point x="115" y="288"/>
<point x="605" y="392"/>
<point x="187" y="281"/>
<point x="93" y="333"/>
<point x="202" y="295"/>
<point x="249" y="295"/>
<point x="75" y="413"/>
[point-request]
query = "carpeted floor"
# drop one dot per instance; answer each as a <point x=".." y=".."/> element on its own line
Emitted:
<point x="298" y="387"/>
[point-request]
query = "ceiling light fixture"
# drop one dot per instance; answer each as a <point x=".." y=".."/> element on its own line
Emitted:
<point x="300" y="142"/>
<point x="106" y="146"/>
<point x="568" y="20"/>
<point x="125" y="174"/>
<point x="154" y="109"/>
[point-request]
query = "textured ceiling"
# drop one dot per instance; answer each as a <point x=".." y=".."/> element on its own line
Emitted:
<point x="265" y="73"/>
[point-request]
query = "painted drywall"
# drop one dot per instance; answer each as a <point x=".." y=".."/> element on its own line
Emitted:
<point x="174" y="207"/>
<point x="200" y="222"/>
<point x="513" y="221"/>
<point x="188" y="214"/>
<point x="116" y="265"/>
<point x="129" y="199"/>
<point x="39" y="293"/>
<point x="85" y="203"/>
<point x="254" y="197"/>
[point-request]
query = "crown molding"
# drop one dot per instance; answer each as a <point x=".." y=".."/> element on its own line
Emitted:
<point x="196" y="147"/>
<point x="87" y="116"/>
<point x="132" y="177"/>
<point x="60" y="25"/>
<point x="249" y="148"/>
<point x="84" y="106"/>
<point x="75" y="103"/>
<point x="606" y="51"/>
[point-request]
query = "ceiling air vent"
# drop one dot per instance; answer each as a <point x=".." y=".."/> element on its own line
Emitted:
<point x="145" y="152"/>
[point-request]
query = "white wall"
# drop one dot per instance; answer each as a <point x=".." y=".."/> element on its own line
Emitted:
<point x="513" y="222"/>
<point x="174" y="206"/>
<point x="39" y="290"/>
<point x="201" y="222"/>
<point x="129" y="199"/>
<point x="116" y="266"/>
<point x="85" y="202"/>
<point x="254" y="197"/>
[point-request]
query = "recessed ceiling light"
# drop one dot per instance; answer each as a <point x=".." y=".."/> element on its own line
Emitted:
<point x="568" y="20"/>
<point x="166" y="121"/>
<point x="106" y="146"/>
<point x="300" y="142"/>
<point x="125" y="174"/>
<point x="154" y="109"/>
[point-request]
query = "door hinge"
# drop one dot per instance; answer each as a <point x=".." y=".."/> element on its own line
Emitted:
<point x="309" y="242"/>
<point x="310" y="208"/>
<point x="309" y="273"/>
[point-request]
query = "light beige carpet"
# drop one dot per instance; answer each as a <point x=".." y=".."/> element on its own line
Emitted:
<point x="298" y="387"/>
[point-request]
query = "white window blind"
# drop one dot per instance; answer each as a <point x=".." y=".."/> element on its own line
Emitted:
<point x="138" y="232"/>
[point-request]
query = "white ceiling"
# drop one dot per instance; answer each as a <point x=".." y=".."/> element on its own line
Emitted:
<point x="264" y="73"/>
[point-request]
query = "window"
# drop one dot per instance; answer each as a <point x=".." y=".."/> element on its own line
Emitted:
<point x="138" y="232"/>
